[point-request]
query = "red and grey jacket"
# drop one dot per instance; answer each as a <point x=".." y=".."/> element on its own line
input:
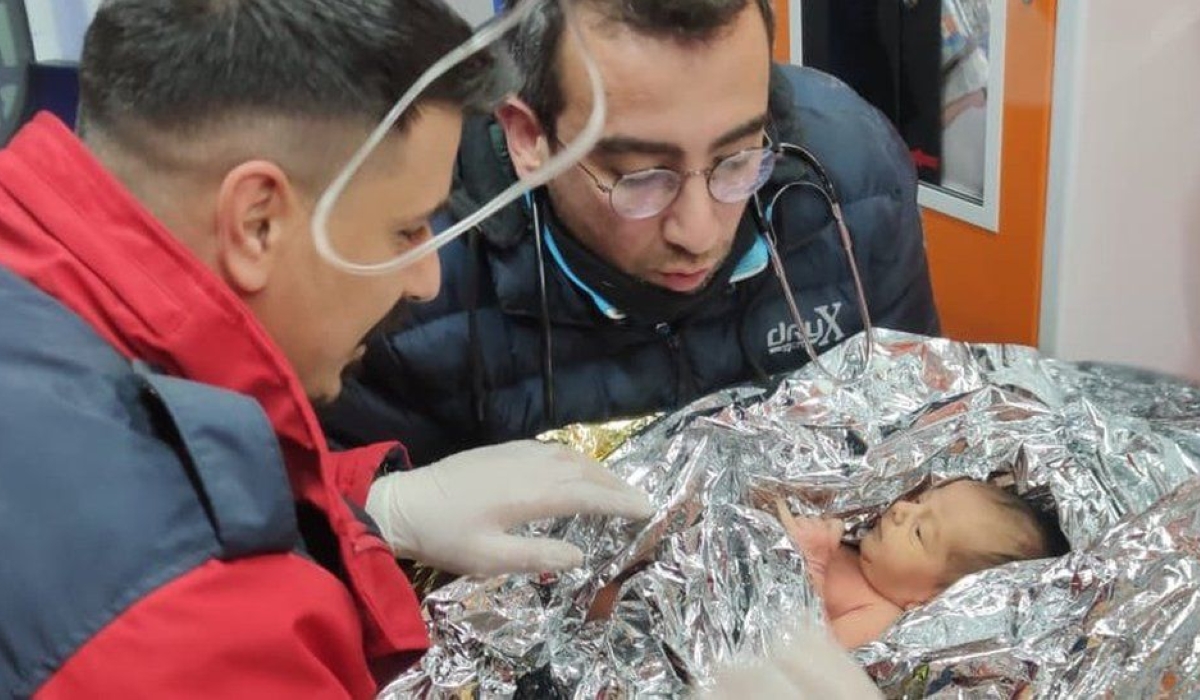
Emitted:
<point x="175" y="524"/>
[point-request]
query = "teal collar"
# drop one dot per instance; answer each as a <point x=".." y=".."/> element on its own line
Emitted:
<point x="752" y="263"/>
<point x="601" y="303"/>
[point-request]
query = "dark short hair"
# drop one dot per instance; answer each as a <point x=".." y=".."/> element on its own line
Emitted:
<point x="534" y="45"/>
<point x="180" y="64"/>
<point x="1042" y="536"/>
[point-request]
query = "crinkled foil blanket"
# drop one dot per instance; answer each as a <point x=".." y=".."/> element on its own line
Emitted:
<point x="1115" y="451"/>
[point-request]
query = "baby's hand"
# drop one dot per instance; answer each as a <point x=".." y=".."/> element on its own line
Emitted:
<point x="816" y="538"/>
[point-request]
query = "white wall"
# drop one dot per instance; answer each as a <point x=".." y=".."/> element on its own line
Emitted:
<point x="1122" y="272"/>
<point x="476" y="11"/>
<point x="57" y="27"/>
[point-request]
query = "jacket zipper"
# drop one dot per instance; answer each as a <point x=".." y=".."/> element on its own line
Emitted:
<point x="684" y="386"/>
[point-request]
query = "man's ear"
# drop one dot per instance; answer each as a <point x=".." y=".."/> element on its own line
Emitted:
<point x="255" y="201"/>
<point x="527" y="142"/>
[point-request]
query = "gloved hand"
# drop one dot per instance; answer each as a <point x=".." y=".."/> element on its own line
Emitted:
<point x="454" y="514"/>
<point x="810" y="666"/>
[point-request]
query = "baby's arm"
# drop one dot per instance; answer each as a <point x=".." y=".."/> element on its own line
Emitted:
<point x="819" y="541"/>
<point x="816" y="539"/>
<point x="864" y="624"/>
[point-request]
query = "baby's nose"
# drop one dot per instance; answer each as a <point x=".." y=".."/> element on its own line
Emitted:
<point x="900" y="511"/>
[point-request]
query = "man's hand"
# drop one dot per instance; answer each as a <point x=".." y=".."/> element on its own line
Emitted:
<point x="454" y="514"/>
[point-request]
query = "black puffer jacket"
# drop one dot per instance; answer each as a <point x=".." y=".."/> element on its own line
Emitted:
<point x="469" y="368"/>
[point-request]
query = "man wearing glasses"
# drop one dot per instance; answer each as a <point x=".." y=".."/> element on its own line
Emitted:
<point x="641" y="279"/>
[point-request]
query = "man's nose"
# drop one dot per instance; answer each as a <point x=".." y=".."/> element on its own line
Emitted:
<point x="692" y="224"/>
<point x="423" y="279"/>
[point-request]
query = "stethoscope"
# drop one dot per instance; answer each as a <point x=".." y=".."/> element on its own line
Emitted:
<point x="764" y="220"/>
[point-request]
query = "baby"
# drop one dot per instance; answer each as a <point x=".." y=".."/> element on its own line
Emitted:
<point x="916" y="550"/>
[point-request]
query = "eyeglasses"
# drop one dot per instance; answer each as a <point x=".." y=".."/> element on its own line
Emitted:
<point x="646" y="193"/>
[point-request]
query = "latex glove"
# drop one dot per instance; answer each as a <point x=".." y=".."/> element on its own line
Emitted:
<point x="810" y="665"/>
<point x="454" y="514"/>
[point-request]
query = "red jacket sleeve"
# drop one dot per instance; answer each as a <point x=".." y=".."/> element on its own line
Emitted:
<point x="272" y="626"/>
<point x="355" y="469"/>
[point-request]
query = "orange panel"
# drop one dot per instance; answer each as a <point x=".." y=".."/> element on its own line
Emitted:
<point x="988" y="286"/>
<point x="783" y="41"/>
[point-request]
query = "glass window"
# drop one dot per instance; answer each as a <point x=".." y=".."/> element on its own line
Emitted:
<point x="15" y="54"/>
<point x="924" y="64"/>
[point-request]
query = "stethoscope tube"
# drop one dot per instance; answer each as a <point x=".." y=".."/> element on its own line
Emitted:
<point x="547" y="331"/>
<point x="824" y="187"/>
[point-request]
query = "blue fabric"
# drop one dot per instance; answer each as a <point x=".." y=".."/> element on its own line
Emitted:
<point x="753" y="262"/>
<point x="250" y="509"/>
<point x="105" y="493"/>
<point x="601" y="303"/>
<point x="467" y="369"/>
<point x="53" y="87"/>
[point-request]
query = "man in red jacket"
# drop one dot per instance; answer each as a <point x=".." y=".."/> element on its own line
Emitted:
<point x="175" y="524"/>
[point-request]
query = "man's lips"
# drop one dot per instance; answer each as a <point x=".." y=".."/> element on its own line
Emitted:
<point x="685" y="280"/>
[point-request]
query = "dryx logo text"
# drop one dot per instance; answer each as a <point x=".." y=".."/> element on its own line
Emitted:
<point x="822" y="331"/>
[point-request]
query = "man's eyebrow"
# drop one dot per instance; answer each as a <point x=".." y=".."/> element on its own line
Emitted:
<point x="747" y="128"/>
<point x="621" y="145"/>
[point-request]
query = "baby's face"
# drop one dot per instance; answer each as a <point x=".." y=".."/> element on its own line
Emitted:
<point x="906" y="557"/>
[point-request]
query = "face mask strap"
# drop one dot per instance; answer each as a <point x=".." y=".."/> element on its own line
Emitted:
<point x="552" y="168"/>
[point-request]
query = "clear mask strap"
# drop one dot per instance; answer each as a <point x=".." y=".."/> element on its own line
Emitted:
<point x="559" y="163"/>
